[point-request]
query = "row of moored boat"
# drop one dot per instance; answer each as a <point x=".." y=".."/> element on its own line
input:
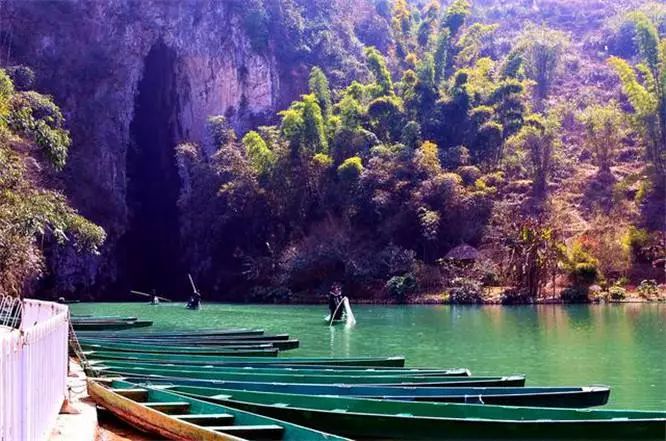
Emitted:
<point x="232" y="384"/>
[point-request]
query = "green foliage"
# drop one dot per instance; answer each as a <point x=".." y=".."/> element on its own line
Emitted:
<point x="426" y="159"/>
<point x="541" y="50"/>
<point x="617" y="293"/>
<point x="260" y="157"/>
<point x="377" y="65"/>
<point x="456" y="14"/>
<point x="581" y="265"/>
<point x="647" y="96"/>
<point x="648" y="289"/>
<point x="538" y="138"/>
<point x="37" y="118"/>
<point x="30" y="215"/>
<point x="400" y="287"/>
<point x="605" y="128"/>
<point x="350" y="170"/>
<point x="320" y="89"/>
<point x="322" y="160"/>
<point x="575" y="294"/>
<point x="466" y="291"/>
<point x="22" y="76"/>
<point x="220" y="131"/>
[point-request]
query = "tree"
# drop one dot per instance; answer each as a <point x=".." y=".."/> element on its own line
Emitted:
<point x="377" y="65"/>
<point x="456" y="14"/>
<point x="604" y="129"/>
<point x="541" y="50"/>
<point x="426" y="159"/>
<point x="534" y="252"/>
<point x="260" y="157"/>
<point x="538" y="138"/>
<point x="648" y="95"/>
<point x="320" y="89"/>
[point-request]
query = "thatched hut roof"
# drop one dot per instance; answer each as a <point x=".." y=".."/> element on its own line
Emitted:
<point x="463" y="252"/>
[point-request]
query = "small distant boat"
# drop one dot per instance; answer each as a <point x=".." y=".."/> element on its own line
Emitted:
<point x="381" y="419"/>
<point x="182" y="418"/>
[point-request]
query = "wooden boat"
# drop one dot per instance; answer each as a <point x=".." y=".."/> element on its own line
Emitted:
<point x="270" y="369"/>
<point x="182" y="418"/>
<point x="95" y="318"/>
<point x="107" y="325"/>
<point x="364" y="418"/>
<point x="402" y="380"/>
<point x="201" y="350"/>
<point x="282" y="345"/>
<point x="572" y="397"/>
<point x="86" y="342"/>
<point x="203" y="332"/>
<point x="383" y="362"/>
<point x="140" y="336"/>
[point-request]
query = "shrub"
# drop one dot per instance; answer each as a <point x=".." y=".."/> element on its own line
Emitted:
<point x="322" y="160"/>
<point x="617" y="293"/>
<point x="585" y="273"/>
<point x="466" y="291"/>
<point x="469" y="174"/>
<point x="401" y="286"/>
<point x="350" y="169"/>
<point x="575" y="294"/>
<point x="515" y="297"/>
<point x="648" y="289"/>
<point x="22" y="76"/>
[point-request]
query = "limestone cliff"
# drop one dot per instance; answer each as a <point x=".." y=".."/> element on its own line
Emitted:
<point x="130" y="74"/>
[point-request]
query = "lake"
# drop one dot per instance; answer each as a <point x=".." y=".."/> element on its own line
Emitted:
<point x="623" y="346"/>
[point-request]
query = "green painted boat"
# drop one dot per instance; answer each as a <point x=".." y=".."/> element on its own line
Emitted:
<point x="202" y="350"/>
<point x="270" y="369"/>
<point x="282" y="345"/>
<point x="108" y="325"/>
<point x="247" y="361"/>
<point x="403" y="380"/>
<point x="184" y="333"/>
<point x="141" y="336"/>
<point x="183" y="418"/>
<point x="573" y="397"/>
<point x="385" y="419"/>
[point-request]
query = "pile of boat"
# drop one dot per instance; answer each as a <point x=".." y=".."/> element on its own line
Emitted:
<point x="232" y="385"/>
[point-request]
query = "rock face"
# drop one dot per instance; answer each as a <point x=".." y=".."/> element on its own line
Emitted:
<point x="91" y="57"/>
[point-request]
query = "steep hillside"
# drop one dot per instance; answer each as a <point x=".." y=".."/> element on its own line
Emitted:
<point x="469" y="151"/>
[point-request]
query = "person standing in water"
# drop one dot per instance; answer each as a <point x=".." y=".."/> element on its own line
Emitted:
<point x="334" y="300"/>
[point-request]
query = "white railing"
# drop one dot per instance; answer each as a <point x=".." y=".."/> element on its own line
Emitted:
<point x="33" y="372"/>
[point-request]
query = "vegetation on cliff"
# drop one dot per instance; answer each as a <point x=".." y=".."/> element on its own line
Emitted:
<point x="462" y="133"/>
<point x="33" y="145"/>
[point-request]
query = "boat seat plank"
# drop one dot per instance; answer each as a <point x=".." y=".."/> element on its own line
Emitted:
<point x="133" y="394"/>
<point x="169" y="407"/>
<point x="207" y="419"/>
<point x="259" y="432"/>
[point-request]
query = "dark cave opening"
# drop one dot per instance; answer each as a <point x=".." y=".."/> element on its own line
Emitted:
<point x="152" y="247"/>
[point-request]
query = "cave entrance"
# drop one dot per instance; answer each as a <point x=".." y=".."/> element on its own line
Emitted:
<point x="152" y="244"/>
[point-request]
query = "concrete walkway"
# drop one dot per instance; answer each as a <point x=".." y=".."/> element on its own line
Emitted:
<point x="78" y="419"/>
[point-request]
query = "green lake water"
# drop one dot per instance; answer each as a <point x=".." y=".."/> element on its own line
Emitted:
<point x="623" y="346"/>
